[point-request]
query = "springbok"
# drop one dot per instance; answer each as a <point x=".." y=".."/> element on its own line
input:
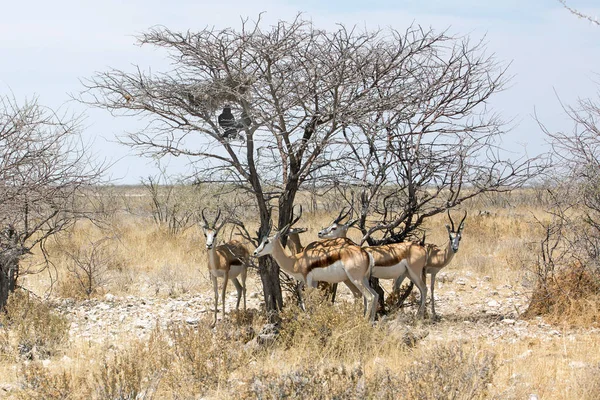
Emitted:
<point x="227" y="261"/>
<point x="334" y="263"/>
<point x="398" y="260"/>
<point x="339" y="230"/>
<point x="437" y="259"/>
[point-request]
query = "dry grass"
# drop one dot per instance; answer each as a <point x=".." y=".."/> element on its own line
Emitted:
<point x="329" y="352"/>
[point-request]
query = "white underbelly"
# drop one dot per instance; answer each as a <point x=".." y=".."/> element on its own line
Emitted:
<point x="391" y="272"/>
<point x="332" y="274"/>
<point x="234" y="271"/>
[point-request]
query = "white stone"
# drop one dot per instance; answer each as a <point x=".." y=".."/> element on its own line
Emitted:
<point x="493" y="303"/>
<point x="109" y="297"/>
<point x="577" y="364"/>
<point x="508" y="321"/>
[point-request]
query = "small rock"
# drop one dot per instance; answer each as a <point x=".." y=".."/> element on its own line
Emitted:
<point x="142" y="324"/>
<point x="487" y="278"/>
<point x="6" y="387"/>
<point x="493" y="303"/>
<point x="555" y="332"/>
<point x="473" y="286"/>
<point x="525" y="354"/>
<point x="254" y="295"/>
<point x="461" y="282"/>
<point x="577" y="364"/>
<point x="508" y="321"/>
<point x="192" y="321"/>
<point x="46" y="363"/>
<point x="109" y="297"/>
<point x="533" y="396"/>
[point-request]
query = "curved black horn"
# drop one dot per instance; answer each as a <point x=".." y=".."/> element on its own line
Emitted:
<point x="341" y="217"/>
<point x="462" y="220"/>
<point x="218" y="215"/>
<point x="204" y="218"/>
<point x="452" y="222"/>
<point x="296" y="219"/>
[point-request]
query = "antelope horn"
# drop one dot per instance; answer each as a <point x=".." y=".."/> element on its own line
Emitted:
<point x="204" y="218"/>
<point x="452" y="222"/>
<point x="462" y="220"/>
<point x="294" y="220"/>
<point x="341" y="217"/>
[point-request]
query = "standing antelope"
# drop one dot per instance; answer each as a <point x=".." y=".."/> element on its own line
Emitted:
<point x="398" y="260"/>
<point x="338" y="230"/>
<point x="438" y="258"/>
<point x="335" y="263"/>
<point x="227" y="261"/>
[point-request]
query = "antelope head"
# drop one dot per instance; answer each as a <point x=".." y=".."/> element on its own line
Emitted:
<point x="455" y="234"/>
<point x="337" y="229"/>
<point x="267" y="244"/>
<point x="211" y="230"/>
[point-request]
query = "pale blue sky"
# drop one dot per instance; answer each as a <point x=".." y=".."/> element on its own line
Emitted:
<point x="46" y="47"/>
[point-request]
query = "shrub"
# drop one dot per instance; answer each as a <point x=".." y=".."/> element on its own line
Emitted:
<point x="450" y="371"/>
<point x="40" y="383"/>
<point x="31" y="327"/>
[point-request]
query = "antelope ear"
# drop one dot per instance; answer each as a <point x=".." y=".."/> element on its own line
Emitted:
<point x="461" y="227"/>
<point x="448" y="227"/>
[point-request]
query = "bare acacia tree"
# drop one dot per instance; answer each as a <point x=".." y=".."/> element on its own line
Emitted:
<point x="576" y="177"/>
<point x="290" y="94"/>
<point x="43" y="169"/>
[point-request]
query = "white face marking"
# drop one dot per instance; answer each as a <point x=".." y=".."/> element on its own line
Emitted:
<point x="333" y="231"/>
<point x="210" y="235"/>
<point x="265" y="247"/>
<point x="454" y="238"/>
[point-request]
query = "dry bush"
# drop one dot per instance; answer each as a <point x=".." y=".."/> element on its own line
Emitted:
<point x="571" y="294"/>
<point x="568" y="278"/>
<point x="32" y="328"/>
<point x="589" y="384"/>
<point x="88" y="268"/>
<point x="450" y="371"/>
<point x="134" y="373"/>
<point x="337" y="382"/>
<point x="203" y="360"/>
<point x="40" y="383"/>
<point x="339" y="331"/>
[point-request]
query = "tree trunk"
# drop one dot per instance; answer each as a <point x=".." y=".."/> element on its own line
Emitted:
<point x="269" y="275"/>
<point x="9" y="267"/>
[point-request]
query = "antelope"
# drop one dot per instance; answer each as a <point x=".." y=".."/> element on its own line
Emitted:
<point x="227" y="261"/>
<point x="338" y="230"/>
<point x="333" y="263"/>
<point x="398" y="260"/>
<point x="438" y="258"/>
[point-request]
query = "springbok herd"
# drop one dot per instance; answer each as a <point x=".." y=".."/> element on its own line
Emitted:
<point x="333" y="259"/>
